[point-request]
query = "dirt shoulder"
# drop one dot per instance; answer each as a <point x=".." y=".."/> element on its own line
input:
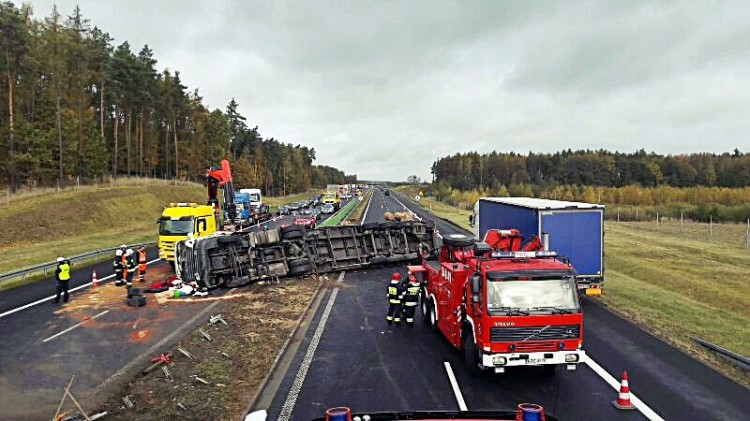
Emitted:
<point x="234" y="362"/>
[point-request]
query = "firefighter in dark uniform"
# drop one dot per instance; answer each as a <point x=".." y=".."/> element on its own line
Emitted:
<point x="118" y="267"/>
<point x="395" y="293"/>
<point x="130" y="261"/>
<point x="411" y="299"/>
<point x="62" y="274"/>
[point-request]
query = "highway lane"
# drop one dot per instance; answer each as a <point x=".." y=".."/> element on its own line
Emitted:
<point x="361" y="362"/>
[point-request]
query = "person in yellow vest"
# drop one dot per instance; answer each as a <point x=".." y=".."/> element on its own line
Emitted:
<point x="141" y="264"/>
<point x="62" y="274"/>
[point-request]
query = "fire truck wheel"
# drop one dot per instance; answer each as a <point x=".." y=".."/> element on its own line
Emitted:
<point x="471" y="355"/>
<point x="433" y="319"/>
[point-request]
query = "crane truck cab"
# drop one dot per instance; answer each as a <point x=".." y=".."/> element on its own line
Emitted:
<point x="503" y="306"/>
<point x="180" y="219"/>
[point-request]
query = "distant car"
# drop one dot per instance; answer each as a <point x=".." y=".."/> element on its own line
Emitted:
<point x="327" y="208"/>
<point x="387" y="192"/>
<point x="307" y="221"/>
<point x="316" y="213"/>
<point x="284" y="210"/>
<point x="303" y="204"/>
<point x="294" y="206"/>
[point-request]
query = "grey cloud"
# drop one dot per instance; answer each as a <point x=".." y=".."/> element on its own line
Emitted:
<point x="382" y="89"/>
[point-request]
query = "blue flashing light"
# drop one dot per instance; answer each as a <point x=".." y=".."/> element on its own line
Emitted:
<point x="530" y="412"/>
<point x="512" y="347"/>
<point x="338" y="414"/>
<point x="561" y="346"/>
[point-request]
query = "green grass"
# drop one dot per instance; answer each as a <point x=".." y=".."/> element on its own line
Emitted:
<point x="37" y="228"/>
<point x="359" y="210"/>
<point x="673" y="281"/>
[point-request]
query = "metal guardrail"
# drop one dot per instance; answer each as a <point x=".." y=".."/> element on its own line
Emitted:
<point x="47" y="268"/>
<point x="737" y="359"/>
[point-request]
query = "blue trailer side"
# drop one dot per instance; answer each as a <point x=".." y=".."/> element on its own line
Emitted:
<point x="575" y="229"/>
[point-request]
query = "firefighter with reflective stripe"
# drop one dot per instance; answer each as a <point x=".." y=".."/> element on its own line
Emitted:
<point x="119" y="268"/>
<point x="130" y="262"/>
<point x="411" y="299"/>
<point x="141" y="264"/>
<point x="395" y="294"/>
<point x="62" y="274"/>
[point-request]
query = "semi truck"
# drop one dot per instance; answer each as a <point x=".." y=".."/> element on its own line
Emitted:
<point x="575" y="230"/>
<point x="178" y="220"/>
<point x="504" y="305"/>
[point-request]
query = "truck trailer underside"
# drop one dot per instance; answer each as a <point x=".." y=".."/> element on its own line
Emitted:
<point x="236" y="259"/>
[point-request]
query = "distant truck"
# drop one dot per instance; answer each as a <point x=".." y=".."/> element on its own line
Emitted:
<point x="332" y="198"/>
<point x="575" y="230"/>
<point x="258" y="211"/>
<point x="178" y="220"/>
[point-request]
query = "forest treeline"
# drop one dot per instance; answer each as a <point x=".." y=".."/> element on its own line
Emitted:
<point x="466" y="171"/>
<point x="640" y="185"/>
<point x="75" y="105"/>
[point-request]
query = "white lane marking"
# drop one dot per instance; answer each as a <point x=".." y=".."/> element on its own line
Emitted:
<point x="364" y="216"/>
<point x="75" y="326"/>
<point x="639" y="405"/>
<point x="406" y="208"/>
<point x="52" y="297"/>
<point x="454" y="385"/>
<point x="291" y="397"/>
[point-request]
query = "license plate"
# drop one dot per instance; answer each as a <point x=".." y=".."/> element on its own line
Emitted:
<point x="593" y="291"/>
<point x="536" y="361"/>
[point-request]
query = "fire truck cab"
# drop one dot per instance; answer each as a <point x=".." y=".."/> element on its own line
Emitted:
<point x="503" y="305"/>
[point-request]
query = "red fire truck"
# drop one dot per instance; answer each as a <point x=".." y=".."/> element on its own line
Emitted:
<point x="503" y="304"/>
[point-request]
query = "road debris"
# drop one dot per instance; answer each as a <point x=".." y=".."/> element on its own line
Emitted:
<point x="128" y="403"/>
<point x="199" y="379"/>
<point x="157" y="361"/>
<point x="167" y="373"/>
<point x="184" y="352"/>
<point x="217" y="318"/>
<point x="205" y="335"/>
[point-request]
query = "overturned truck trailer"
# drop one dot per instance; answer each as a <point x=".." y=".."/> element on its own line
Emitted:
<point x="235" y="259"/>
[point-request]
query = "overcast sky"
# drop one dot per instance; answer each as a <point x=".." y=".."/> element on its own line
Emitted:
<point x="382" y="89"/>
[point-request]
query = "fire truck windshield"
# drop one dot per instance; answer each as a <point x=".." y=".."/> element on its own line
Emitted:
<point x="539" y="295"/>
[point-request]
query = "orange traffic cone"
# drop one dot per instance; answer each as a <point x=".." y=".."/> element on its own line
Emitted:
<point x="623" y="399"/>
<point x="94" y="280"/>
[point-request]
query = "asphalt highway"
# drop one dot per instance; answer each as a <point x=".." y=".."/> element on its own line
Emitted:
<point x="350" y="357"/>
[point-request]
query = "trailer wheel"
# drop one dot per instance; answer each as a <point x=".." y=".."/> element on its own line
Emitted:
<point x="370" y="226"/>
<point x="471" y="355"/>
<point x="378" y="260"/>
<point x="457" y="240"/>
<point x="300" y="270"/>
<point x="292" y="232"/>
<point x="299" y="262"/>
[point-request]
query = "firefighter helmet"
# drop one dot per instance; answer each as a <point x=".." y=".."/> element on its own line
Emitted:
<point x="396" y="276"/>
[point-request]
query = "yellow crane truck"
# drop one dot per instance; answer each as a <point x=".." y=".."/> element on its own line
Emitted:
<point x="180" y="220"/>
